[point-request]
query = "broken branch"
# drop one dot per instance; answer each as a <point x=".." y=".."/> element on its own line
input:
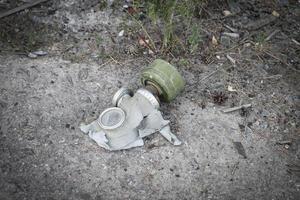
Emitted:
<point x="20" y="8"/>
<point x="228" y="110"/>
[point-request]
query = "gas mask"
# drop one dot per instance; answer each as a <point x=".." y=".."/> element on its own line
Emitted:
<point x="137" y="115"/>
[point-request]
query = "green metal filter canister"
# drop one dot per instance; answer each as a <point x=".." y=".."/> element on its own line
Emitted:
<point x="165" y="78"/>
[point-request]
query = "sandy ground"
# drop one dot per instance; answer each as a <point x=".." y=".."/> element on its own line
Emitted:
<point x="44" y="155"/>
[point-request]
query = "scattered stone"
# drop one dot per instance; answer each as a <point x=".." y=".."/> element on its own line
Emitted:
<point x="69" y="79"/>
<point x="225" y="41"/>
<point x="244" y="112"/>
<point x="83" y="74"/>
<point x="247" y="44"/>
<point x="227" y="13"/>
<point x="150" y="52"/>
<point x="230" y="89"/>
<point x="275" y="13"/>
<point x="248" y="130"/>
<point x="240" y="149"/>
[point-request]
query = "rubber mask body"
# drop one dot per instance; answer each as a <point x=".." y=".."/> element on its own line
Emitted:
<point x="141" y="118"/>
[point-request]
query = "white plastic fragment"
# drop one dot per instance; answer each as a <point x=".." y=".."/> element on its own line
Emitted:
<point x="40" y="53"/>
<point x="230" y="89"/>
<point x="37" y="53"/>
<point x="275" y="13"/>
<point x="121" y="33"/>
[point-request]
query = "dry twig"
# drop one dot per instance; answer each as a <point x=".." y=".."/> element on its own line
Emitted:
<point x="20" y="8"/>
<point x="228" y="110"/>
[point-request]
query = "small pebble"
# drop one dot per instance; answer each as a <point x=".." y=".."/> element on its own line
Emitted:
<point x="227" y="13"/>
<point x="31" y="55"/>
<point x="121" y="33"/>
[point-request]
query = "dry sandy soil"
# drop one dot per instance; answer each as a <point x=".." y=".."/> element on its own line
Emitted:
<point x="43" y="100"/>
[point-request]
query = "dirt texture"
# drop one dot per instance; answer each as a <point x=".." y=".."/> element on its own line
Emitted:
<point x="251" y="153"/>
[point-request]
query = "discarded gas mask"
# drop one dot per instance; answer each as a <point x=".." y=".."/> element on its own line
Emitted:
<point x="135" y="116"/>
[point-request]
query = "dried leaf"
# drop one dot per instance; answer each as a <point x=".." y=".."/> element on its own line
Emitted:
<point x="143" y="42"/>
<point x="275" y="13"/>
<point x="214" y="41"/>
<point x="131" y="10"/>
